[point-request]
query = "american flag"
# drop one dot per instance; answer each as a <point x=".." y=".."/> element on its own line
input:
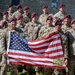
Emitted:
<point x="46" y="52"/>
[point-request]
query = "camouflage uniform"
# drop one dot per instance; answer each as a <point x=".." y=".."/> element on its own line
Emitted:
<point x="10" y="14"/>
<point x="59" y="15"/>
<point x="44" y="31"/>
<point x="64" y="42"/>
<point x="26" y="18"/>
<point x="13" y="69"/>
<point x="32" y="30"/>
<point x="65" y="28"/>
<point x="71" y="37"/>
<point x="42" y="19"/>
<point x="16" y="14"/>
<point x="21" y="30"/>
<point x="3" y="63"/>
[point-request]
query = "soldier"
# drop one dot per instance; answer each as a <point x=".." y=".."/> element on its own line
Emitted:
<point x="20" y="26"/>
<point x="26" y="15"/>
<point x="5" y="18"/>
<point x="43" y="17"/>
<point x="20" y="22"/>
<point x="71" y="37"/>
<point x="10" y="11"/>
<point x="44" y="31"/>
<point x="66" y="23"/>
<point x="12" y="28"/>
<point x="64" y="41"/>
<point x="32" y="29"/>
<point x="18" y="12"/>
<point x="3" y="64"/>
<point x="60" y="14"/>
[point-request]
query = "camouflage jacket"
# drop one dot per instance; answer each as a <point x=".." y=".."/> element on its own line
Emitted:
<point x="64" y="41"/>
<point x="42" y="18"/>
<point x="2" y="41"/>
<point x="71" y="38"/>
<point x="26" y="19"/>
<point x="59" y="15"/>
<point x="65" y="28"/>
<point x="16" y="14"/>
<point x="44" y="31"/>
<point x="32" y="30"/>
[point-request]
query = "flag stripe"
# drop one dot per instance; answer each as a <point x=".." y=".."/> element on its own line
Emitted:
<point x="36" y="56"/>
<point x="44" y="66"/>
<point x="31" y="60"/>
<point x="44" y="41"/>
<point x="45" y="47"/>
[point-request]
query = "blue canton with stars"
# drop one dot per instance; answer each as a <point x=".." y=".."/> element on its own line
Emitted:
<point x="18" y="43"/>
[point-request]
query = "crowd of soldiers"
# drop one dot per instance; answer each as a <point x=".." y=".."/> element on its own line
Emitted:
<point x="33" y="27"/>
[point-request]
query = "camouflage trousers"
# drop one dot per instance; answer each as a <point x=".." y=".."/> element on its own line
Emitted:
<point x="72" y="68"/>
<point x="3" y="65"/>
<point x="59" y="72"/>
<point x="13" y="70"/>
<point x="45" y="71"/>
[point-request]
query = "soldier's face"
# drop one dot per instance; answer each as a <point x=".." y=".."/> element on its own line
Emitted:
<point x="10" y="9"/>
<point x="12" y="25"/>
<point x="20" y="21"/>
<point x="49" y="22"/>
<point x="20" y="9"/>
<point x="58" y="26"/>
<point x="61" y="9"/>
<point x="5" y="17"/>
<point x="67" y="21"/>
<point x="45" y="10"/>
<point x="26" y="12"/>
<point x="73" y="25"/>
<point x="34" y="19"/>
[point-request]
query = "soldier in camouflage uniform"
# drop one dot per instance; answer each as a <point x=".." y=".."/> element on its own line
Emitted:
<point x="18" y="12"/>
<point x="3" y="64"/>
<point x="64" y="41"/>
<point x="60" y="14"/>
<point x="71" y="37"/>
<point x="66" y="23"/>
<point x="10" y="11"/>
<point x="44" y="31"/>
<point x="26" y="15"/>
<point x="43" y="17"/>
<point x="20" y="26"/>
<point x="20" y="22"/>
<point x="12" y="28"/>
<point x="32" y="29"/>
<point x="5" y="18"/>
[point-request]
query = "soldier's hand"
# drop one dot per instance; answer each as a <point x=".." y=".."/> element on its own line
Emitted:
<point x="66" y="62"/>
<point x="5" y="54"/>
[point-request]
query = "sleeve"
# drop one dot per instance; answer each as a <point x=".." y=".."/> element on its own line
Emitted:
<point x="65" y="46"/>
<point x="3" y="44"/>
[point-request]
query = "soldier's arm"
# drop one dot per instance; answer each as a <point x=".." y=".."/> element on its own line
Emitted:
<point x="3" y="44"/>
<point x="65" y="48"/>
